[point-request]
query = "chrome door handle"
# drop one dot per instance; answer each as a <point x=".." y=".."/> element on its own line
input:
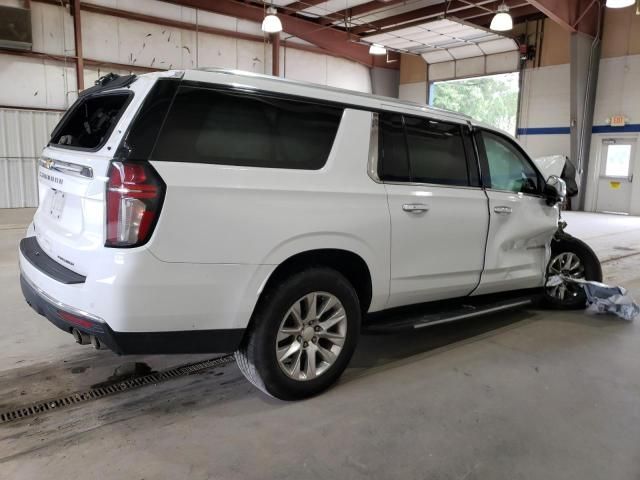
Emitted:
<point x="415" y="207"/>
<point x="502" y="210"/>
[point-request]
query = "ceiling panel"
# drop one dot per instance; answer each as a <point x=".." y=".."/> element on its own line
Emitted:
<point x="396" y="9"/>
<point x="444" y="40"/>
<point x="332" y="6"/>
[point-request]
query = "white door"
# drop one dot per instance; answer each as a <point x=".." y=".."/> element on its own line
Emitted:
<point x="438" y="211"/>
<point x="616" y="175"/>
<point x="437" y="252"/>
<point x="521" y="224"/>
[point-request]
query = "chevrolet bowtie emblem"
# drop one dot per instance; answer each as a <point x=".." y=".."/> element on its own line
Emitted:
<point x="48" y="163"/>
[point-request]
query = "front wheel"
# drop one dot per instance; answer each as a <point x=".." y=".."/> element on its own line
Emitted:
<point x="571" y="258"/>
<point x="302" y="335"/>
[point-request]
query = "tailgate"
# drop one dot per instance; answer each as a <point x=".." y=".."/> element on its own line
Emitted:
<point x="72" y="173"/>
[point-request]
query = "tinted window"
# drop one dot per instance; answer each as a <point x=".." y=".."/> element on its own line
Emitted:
<point x="392" y="153"/>
<point x="508" y="168"/>
<point x="144" y="128"/>
<point x="209" y="126"/>
<point x="436" y="152"/>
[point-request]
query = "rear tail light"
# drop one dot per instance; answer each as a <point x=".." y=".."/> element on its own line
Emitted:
<point x="134" y="198"/>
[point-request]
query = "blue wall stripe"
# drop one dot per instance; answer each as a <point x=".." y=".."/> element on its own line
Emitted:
<point x="631" y="128"/>
<point x="544" y="131"/>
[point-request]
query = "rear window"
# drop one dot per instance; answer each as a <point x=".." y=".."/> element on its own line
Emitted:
<point x="90" y="121"/>
<point x="228" y="128"/>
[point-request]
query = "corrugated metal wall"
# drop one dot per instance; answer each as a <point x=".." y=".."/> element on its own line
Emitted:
<point x="23" y="135"/>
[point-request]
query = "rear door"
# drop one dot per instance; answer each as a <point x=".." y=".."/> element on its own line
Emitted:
<point x="521" y="225"/>
<point x="438" y="211"/>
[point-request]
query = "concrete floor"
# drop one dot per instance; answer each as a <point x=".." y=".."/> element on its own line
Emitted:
<point x="533" y="394"/>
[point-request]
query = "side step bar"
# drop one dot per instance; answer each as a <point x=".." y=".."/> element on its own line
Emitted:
<point x="426" y="315"/>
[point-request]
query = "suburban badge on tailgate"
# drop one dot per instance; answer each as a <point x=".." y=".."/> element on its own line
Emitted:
<point x="51" y="178"/>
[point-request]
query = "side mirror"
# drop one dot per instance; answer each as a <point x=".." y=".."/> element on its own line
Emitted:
<point x="555" y="190"/>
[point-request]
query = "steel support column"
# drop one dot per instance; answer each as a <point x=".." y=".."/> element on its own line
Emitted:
<point x="77" y="36"/>
<point x="275" y="54"/>
<point x="585" y="66"/>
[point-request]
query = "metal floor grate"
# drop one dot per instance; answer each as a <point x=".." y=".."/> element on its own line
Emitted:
<point x="122" y="386"/>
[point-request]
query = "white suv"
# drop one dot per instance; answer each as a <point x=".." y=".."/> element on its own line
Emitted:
<point x="218" y="211"/>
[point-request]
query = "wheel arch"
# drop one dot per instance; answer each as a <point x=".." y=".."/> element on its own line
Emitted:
<point x="563" y="236"/>
<point x="350" y="264"/>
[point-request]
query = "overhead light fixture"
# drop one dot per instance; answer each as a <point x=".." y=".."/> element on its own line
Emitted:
<point x="376" y="49"/>
<point x="620" y="3"/>
<point x="271" y="22"/>
<point x="502" y="21"/>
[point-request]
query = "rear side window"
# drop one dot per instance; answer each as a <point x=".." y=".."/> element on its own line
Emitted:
<point x="436" y="152"/>
<point x="90" y="121"/>
<point x="228" y="128"/>
<point x="143" y="131"/>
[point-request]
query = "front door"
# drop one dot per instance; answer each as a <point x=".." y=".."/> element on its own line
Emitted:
<point x="438" y="211"/>
<point x="521" y="224"/>
<point x="616" y="175"/>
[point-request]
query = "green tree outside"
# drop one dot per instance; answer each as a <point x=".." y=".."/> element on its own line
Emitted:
<point x="492" y="99"/>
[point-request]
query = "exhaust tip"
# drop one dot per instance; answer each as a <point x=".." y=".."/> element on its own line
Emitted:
<point x="95" y="341"/>
<point x="81" y="338"/>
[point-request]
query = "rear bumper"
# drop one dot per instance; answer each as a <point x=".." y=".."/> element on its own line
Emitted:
<point x="133" y="291"/>
<point x="68" y="318"/>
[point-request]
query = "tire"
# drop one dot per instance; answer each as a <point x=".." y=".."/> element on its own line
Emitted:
<point x="564" y="251"/>
<point x="287" y="307"/>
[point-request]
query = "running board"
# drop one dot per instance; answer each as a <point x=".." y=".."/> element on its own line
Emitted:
<point x="426" y="315"/>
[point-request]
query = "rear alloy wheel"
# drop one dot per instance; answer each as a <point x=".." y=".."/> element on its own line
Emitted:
<point x="572" y="259"/>
<point x="311" y="336"/>
<point x="302" y="334"/>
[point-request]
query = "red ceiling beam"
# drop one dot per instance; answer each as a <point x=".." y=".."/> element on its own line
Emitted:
<point x="336" y="41"/>
<point x="572" y="15"/>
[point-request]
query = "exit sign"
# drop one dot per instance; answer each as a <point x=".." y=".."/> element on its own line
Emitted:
<point x="618" y="121"/>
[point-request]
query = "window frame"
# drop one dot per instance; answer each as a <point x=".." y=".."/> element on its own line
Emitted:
<point x="466" y="135"/>
<point x="485" y="175"/>
<point x="251" y="94"/>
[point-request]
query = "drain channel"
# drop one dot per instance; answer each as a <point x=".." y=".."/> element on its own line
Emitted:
<point x="118" y="387"/>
